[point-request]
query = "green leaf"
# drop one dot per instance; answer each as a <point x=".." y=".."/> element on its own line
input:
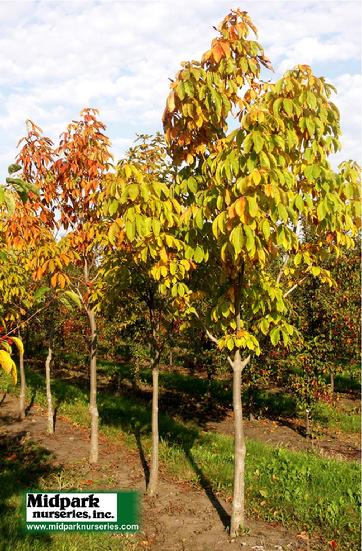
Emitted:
<point x="39" y="293"/>
<point x="112" y="232"/>
<point x="130" y="229"/>
<point x="282" y="211"/>
<point x="311" y="100"/>
<point x="299" y="203"/>
<point x="275" y="335"/>
<point x="276" y="106"/>
<point x="258" y="141"/>
<point x="13" y="168"/>
<point x="310" y="126"/>
<point x="199" y="219"/>
<point x="298" y="259"/>
<point x="266" y="229"/>
<point x="250" y="241"/>
<point x="74" y="298"/>
<point x="247" y="143"/>
<point x="253" y="206"/>
<point x="181" y="90"/>
<point x="321" y="211"/>
<point x="192" y="185"/>
<point x="156" y="225"/>
<point x="198" y="254"/>
<point x="264" y="160"/>
<point x="237" y="239"/>
<point x="288" y="106"/>
<point x="230" y="343"/>
<point x="133" y="191"/>
<point x="264" y="326"/>
<point x="113" y="207"/>
<point x="10" y="202"/>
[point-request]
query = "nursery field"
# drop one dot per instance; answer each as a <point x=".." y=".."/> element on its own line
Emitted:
<point x="182" y="321"/>
<point x="300" y="492"/>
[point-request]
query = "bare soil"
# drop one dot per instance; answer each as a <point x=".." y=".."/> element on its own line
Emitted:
<point x="180" y="518"/>
<point x="288" y="433"/>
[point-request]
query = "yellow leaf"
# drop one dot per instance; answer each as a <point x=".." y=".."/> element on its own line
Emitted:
<point x="19" y="344"/>
<point x="8" y="365"/>
<point x="171" y="101"/>
<point x="240" y="208"/>
<point x="256" y="176"/>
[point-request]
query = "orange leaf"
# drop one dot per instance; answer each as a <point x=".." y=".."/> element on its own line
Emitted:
<point x="240" y="208"/>
<point x="268" y="189"/>
<point x="217" y="52"/>
<point x="226" y="47"/>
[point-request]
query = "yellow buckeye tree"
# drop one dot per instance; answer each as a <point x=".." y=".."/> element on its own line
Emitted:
<point x="250" y="192"/>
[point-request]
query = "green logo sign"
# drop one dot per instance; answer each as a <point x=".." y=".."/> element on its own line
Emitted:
<point x="81" y="511"/>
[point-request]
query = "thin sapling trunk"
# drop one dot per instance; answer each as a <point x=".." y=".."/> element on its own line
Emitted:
<point x="93" y="410"/>
<point x="22" y="384"/>
<point x="238" y="505"/>
<point x="50" y="413"/>
<point x="153" y="481"/>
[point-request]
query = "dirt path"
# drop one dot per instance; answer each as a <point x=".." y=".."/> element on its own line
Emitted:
<point x="182" y="518"/>
<point x="331" y="443"/>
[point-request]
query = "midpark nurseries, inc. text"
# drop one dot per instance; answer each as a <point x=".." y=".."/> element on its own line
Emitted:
<point x="65" y="507"/>
<point x="114" y="511"/>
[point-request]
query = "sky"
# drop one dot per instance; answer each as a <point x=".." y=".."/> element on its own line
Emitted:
<point x="58" y="57"/>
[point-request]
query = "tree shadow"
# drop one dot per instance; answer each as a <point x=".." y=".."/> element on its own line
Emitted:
<point x="207" y="487"/>
<point x="23" y="463"/>
<point x="4" y="397"/>
<point x="145" y="467"/>
<point x="55" y="414"/>
<point x="31" y="403"/>
<point x="136" y="419"/>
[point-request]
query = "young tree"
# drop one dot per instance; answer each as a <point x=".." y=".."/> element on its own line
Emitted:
<point x="144" y="227"/>
<point x="249" y="191"/>
<point x="68" y="179"/>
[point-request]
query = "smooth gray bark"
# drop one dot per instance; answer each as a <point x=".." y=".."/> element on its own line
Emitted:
<point x="153" y="481"/>
<point x="50" y="413"/>
<point x="22" y="386"/>
<point x="238" y="504"/>
<point x="93" y="410"/>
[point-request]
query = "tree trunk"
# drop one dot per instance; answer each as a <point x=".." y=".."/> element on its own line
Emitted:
<point x="152" y="485"/>
<point x="50" y="422"/>
<point x="22" y="385"/>
<point x="332" y="382"/>
<point x="237" y="515"/>
<point x="93" y="410"/>
<point x="307" y="422"/>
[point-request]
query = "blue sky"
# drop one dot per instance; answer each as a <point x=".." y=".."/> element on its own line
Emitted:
<point x="117" y="56"/>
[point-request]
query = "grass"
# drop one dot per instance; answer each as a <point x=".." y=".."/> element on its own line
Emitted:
<point x="264" y="401"/>
<point x="298" y="489"/>
<point x="24" y="464"/>
<point x="346" y="421"/>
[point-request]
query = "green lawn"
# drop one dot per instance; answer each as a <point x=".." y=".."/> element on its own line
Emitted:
<point x="298" y="489"/>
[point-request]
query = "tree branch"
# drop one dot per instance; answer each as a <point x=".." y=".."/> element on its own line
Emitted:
<point x="294" y="286"/>
<point x="282" y="268"/>
<point x="211" y="337"/>
<point x="27" y="320"/>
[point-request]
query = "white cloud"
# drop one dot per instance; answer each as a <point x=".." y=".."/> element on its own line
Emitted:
<point x="62" y="56"/>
